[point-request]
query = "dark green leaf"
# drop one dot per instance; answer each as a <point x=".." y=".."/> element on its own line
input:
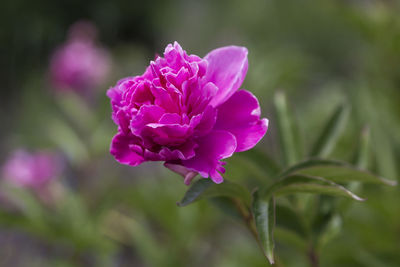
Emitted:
<point x="345" y="174"/>
<point x="310" y="163"/>
<point x="264" y="205"/>
<point x="206" y="188"/>
<point x="337" y="171"/>
<point x="307" y="184"/>
<point x="264" y="217"/>
<point x="195" y="191"/>
<point x="331" y="132"/>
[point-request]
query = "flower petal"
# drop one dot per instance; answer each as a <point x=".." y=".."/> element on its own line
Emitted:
<point x="182" y="152"/>
<point x="126" y="149"/>
<point x="147" y="114"/>
<point x="240" y="115"/>
<point x="212" y="148"/>
<point x="166" y="134"/>
<point x="227" y="68"/>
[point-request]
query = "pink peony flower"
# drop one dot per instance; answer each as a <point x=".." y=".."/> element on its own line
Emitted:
<point x="187" y="111"/>
<point x="80" y="64"/>
<point x="31" y="170"/>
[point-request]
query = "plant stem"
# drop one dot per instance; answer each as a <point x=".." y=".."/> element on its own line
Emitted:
<point x="313" y="257"/>
<point x="247" y="217"/>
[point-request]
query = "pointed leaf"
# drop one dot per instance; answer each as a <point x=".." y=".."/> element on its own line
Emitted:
<point x="264" y="204"/>
<point x="307" y="184"/>
<point x="205" y="188"/>
<point x="264" y="217"/>
<point x="345" y="173"/>
<point x="310" y="184"/>
<point x="195" y="191"/>
<point x="337" y="171"/>
<point x="310" y="163"/>
<point x="331" y="133"/>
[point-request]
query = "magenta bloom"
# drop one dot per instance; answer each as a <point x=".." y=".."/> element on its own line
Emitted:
<point x="187" y="111"/>
<point x="31" y="170"/>
<point x="79" y="64"/>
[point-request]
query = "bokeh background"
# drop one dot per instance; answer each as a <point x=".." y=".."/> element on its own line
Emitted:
<point x="321" y="53"/>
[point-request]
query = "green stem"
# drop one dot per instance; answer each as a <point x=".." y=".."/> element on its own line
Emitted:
<point x="313" y="257"/>
<point x="247" y="217"/>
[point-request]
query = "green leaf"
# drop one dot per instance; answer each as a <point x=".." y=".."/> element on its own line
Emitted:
<point x="206" y="188"/>
<point x="331" y="133"/>
<point x="264" y="204"/>
<point x="316" y="185"/>
<point x="195" y="191"/>
<point x="286" y="129"/>
<point x="307" y="184"/>
<point x="344" y="174"/>
<point x="264" y="217"/>
<point x="310" y="163"/>
<point x="337" y="171"/>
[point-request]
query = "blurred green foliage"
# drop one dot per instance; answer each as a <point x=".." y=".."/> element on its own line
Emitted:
<point x="321" y="53"/>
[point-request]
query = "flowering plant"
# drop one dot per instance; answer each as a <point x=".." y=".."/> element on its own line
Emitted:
<point x="80" y="64"/>
<point x="187" y="111"/>
<point x="32" y="170"/>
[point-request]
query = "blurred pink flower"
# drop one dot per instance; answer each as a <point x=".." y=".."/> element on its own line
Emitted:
<point x="33" y="170"/>
<point x="80" y="64"/>
<point x="187" y="111"/>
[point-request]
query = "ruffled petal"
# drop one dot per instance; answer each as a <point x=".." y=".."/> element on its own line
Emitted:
<point x="126" y="149"/>
<point x="167" y="134"/>
<point x="206" y="124"/>
<point x="227" y="68"/>
<point x="147" y="114"/>
<point x="240" y="115"/>
<point x="212" y="148"/>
